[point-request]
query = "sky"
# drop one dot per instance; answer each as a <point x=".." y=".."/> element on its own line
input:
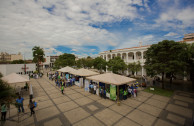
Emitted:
<point x="88" y="27"/>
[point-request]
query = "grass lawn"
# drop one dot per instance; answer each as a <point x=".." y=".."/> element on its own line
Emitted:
<point x="159" y="91"/>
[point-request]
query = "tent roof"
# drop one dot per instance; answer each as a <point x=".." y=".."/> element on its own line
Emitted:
<point x="66" y="69"/>
<point x="111" y="78"/>
<point x="14" y="78"/>
<point x="84" y="72"/>
<point x="26" y="77"/>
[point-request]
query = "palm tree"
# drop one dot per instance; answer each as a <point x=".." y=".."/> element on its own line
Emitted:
<point x="38" y="54"/>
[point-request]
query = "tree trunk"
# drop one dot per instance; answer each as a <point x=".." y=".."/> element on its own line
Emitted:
<point x="192" y="78"/>
<point x="171" y="76"/>
<point x="162" y="80"/>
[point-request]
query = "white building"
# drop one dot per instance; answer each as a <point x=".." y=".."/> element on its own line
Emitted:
<point x="135" y="54"/>
<point x="10" y="57"/>
<point x="49" y="61"/>
<point x="129" y="55"/>
<point x="6" y="69"/>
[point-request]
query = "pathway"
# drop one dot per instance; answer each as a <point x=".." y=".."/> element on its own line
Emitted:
<point x="79" y="108"/>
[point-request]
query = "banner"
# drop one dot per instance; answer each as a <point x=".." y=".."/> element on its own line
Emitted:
<point x="87" y="85"/>
<point x="67" y="76"/>
<point x="80" y="82"/>
<point x="113" y="92"/>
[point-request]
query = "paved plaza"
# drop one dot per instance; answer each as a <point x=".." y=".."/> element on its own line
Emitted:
<point x="79" y="108"/>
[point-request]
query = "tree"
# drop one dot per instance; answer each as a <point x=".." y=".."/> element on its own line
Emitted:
<point x="100" y="64"/>
<point x="7" y="93"/>
<point x="18" y="62"/>
<point x="190" y="62"/>
<point x="89" y="62"/>
<point x="38" y="56"/>
<point x="116" y="65"/>
<point x="165" y="57"/>
<point x="134" y="67"/>
<point x="64" y="60"/>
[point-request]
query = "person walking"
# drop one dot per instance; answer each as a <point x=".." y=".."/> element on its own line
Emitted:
<point x="125" y="94"/>
<point x="3" y="111"/>
<point x="31" y="106"/>
<point x="62" y="87"/>
<point x="19" y="102"/>
<point x="135" y="92"/>
<point x="94" y="88"/>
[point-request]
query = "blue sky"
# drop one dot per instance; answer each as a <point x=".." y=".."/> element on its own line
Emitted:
<point x="87" y="27"/>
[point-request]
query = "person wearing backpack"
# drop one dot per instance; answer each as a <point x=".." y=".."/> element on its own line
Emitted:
<point x="31" y="106"/>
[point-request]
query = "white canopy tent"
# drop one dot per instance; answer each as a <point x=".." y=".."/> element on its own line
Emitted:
<point x="114" y="79"/>
<point x="14" y="78"/>
<point x="84" y="72"/>
<point x="67" y="69"/>
<point x="111" y="78"/>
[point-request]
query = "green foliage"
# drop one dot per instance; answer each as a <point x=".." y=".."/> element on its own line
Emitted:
<point x="116" y="65"/>
<point x="18" y="62"/>
<point x="38" y="55"/>
<point x="134" y="67"/>
<point x="80" y="63"/>
<point x="64" y="60"/>
<point x="85" y="62"/>
<point x="89" y="62"/>
<point x="100" y="64"/>
<point x="166" y="57"/>
<point x="190" y="61"/>
<point x="7" y="94"/>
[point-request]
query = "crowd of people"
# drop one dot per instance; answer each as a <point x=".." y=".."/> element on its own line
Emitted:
<point x="124" y="92"/>
<point x="61" y="80"/>
<point x="20" y="105"/>
<point x="128" y="92"/>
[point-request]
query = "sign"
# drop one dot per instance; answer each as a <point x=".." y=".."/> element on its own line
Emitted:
<point x="113" y="92"/>
<point x="152" y="89"/>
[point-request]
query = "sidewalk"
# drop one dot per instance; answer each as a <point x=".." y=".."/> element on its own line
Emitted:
<point x="80" y="108"/>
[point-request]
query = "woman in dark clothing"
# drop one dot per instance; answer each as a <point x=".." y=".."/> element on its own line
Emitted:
<point x="31" y="105"/>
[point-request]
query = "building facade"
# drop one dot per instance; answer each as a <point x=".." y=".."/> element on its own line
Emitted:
<point x="6" y="69"/>
<point x="135" y="54"/>
<point x="49" y="61"/>
<point x="129" y="55"/>
<point x="10" y="57"/>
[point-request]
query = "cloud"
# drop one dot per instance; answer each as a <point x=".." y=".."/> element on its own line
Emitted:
<point x="93" y="49"/>
<point x="75" y="50"/>
<point x="130" y="29"/>
<point x="171" y="34"/>
<point x="175" y="15"/>
<point x="50" y="24"/>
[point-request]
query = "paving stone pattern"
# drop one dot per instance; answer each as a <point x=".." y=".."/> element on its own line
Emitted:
<point x="79" y="108"/>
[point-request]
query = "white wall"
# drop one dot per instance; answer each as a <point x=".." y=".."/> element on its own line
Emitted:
<point x="3" y="69"/>
<point x="6" y="69"/>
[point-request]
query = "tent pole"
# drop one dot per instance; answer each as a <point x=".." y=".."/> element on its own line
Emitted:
<point x="118" y="102"/>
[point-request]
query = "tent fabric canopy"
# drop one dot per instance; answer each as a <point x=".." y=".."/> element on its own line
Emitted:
<point x="84" y="72"/>
<point x="66" y="69"/>
<point x="111" y="78"/>
<point x="14" y="78"/>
